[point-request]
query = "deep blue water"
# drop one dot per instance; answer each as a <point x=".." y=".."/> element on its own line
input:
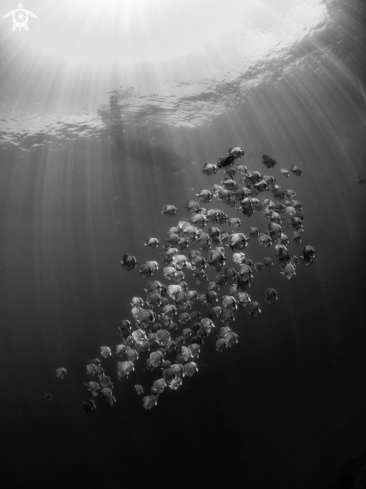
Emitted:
<point x="285" y="407"/>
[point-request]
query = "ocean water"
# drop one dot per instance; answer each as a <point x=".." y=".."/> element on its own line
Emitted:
<point x="107" y="115"/>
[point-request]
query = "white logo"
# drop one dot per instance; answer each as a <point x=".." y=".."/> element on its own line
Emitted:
<point x="20" y="17"/>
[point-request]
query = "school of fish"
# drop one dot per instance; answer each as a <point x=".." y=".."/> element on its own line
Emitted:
<point x="165" y="332"/>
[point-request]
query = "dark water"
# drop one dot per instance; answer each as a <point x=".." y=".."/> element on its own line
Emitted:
<point x="84" y="173"/>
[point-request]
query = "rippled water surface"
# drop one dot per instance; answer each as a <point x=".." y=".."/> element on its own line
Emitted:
<point x="108" y="112"/>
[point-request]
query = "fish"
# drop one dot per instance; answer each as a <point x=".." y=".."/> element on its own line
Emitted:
<point x="258" y="266"/>
<point x="270" y="295"/>
<point x="128" y="262"/>
<point x="169" y="272"/>
<point x="296" y="170"/>
<point x="253" y="232"/>
<point x="234" y="222"/>
<point x="278" y="192"/>
<point x="61" y="373"/>
<point x="158" y="387"/>
<point x="145" y="270"/>
<point x="151" y="243"/>
<point x="254" y="309"/>
<point x="216" y="259"/>
<point x="165" y="333"/>
<point x="192" y="206"/>
<point x="204" y="195"/>
<point x="308" y="255"/>
<point x="169" y="210"/>
<point x="236" y="151"/>
<point x="137" y="301"/>
<point x="274" y="230"/>
<point x="89" y="406"/>
<point x="289" y="271"/>
<point x="139" y="389"/>
<point x="199" y="220"/>
<point x="268" y="161"/>
<point x="105" y="351"/>
<point x="238" y="257"/>
<point x="190" y="368"/>
<point x="229" y="183"/>
<point x="231" y="339"/>
<point x="210" y="169"/>
<point x="296" y="236"/>
<point x="107" y="395"/>
<point x="261" y="186"/>
<point x="238" y="241"/>
<point x="226" y="161"/>
<point x="124" y="369"/>
<point x="267" y="261"/>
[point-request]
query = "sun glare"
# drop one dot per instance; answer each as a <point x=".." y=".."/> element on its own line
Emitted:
<point x="129" y="32"/>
